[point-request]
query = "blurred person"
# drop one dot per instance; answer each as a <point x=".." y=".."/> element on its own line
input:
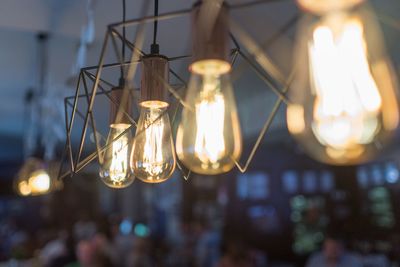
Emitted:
<point x="333" y="255"/>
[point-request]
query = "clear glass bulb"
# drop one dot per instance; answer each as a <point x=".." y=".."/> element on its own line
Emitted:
<point x="209" y="137"/>
<point x="153" y="156"/>
<point x="343" y="101"/>
<point x="39" y="182"/>
<point x="23" y="188"/>
<point x="115" y="171"/>
<point x="34" y="179"/>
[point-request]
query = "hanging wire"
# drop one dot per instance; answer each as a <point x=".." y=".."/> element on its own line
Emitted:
<point x="155" y="47"/>
<point x="124" y="37"/>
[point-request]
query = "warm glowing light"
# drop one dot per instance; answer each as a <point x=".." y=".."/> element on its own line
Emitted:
<point x="39" y="182"/>
<point x="208" y="138"/>
<point x="24" y="189"/>
<point x="323" y="6"/>
<point x="345" y="102"/>
<point x="115" y="171"/>
<point x="210" y="67"/>
<point x="347" y="98"/>
<point x="295" y="118"/>
<point x="210" y="144"/>
<point x="153" y="157"/>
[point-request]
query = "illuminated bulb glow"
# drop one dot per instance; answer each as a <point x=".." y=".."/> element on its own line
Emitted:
<point x="39" y="182"/>
<point x="210" y="111"/>
<point x="24" y="188"/>
<point x="208" y="137"/>
<point x="119" y="167"/>
<point x="324" y="6"/>
<point x="153" y="156"/>
<point x="347" y="98"/>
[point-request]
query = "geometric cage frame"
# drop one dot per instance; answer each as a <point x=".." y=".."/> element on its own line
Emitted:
<point x="256" y="58"/>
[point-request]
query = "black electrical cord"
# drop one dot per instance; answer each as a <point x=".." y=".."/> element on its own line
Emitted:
<point x="121" y="79"/>
<point x="155" y="49"/>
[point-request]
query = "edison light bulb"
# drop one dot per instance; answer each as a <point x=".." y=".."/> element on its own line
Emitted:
<point x="153" y="157"/>
<point x="115" y="171"/>
<point x="34" y="179"/>
<point x="209" y="138"/>
<point x="39" y="182"/>
<point x="24" y="188"/>
<point x="343" y="102"/>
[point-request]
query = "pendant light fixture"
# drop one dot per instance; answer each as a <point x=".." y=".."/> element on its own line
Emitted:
<point x="209" y="138"/>
<point x="36" y="176"/>
<point x="33" y="178"/>
<point x="153" y="155"/>
<point x="115" y="171"/>
<point x="343" y="104"/>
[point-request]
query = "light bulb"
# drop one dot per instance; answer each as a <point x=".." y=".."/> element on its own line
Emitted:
<point x="208" y="138"/>
<point x="24" y="188"/>
<point x="343" y="102"/>
<point x="115" y="171"/>
<point x="34" y="178"/>
<point x="39" y="182"/>
<point x="153" y="157"/>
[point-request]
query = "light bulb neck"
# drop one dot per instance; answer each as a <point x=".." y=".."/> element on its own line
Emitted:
<point x="155" y="78"/>
<point x="321" y="7"/>
<point x="121" y="105"/>
<point x="210" y="30"/>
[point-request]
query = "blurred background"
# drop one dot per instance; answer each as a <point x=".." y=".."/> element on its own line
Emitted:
<point x="278" y="213"/>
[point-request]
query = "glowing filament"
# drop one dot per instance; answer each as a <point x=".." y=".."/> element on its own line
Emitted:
<point x="153" y="161"/>
<point x="210" y="110"/>
<point x="119" y="162"/>
<point x="347" y="98"/>
<point x="39" y="182"/>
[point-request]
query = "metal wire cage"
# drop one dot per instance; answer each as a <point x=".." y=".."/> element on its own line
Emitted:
<point x="94" y="85"/>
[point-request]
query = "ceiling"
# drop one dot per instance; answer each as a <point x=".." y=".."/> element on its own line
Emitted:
<point x="20" y="20"/>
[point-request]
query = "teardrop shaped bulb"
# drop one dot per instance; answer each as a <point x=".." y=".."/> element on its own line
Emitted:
<point x="115" y="171"/>
<point x="343" y="101"/>
<point x="209" y="138"/>
<point x="153" y="156"/>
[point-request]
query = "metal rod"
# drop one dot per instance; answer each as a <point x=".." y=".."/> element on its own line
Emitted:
<point x="179" y="57"/>
<point x="92" y="119"/>
<point x="264" y="130"/>
<point x="68" y="139"/>
<point x="71" y="123"/>
<point x="100" y="79"/>
<point x="63" y="158"/>
<point x="113" y="101"/>
<point x="185" y="176"/>
<point x="95" y="85"/>
<point x="139" y="37"/>
<point x="127" y="42"/>
<point x="109" y="65"/>
<point x="80" y="114"/>
<point x="234" y="54"/>
<point x="257" y="52"/>
<point x="265" y="78"/>
<point x="118" y="54"/>
<point x="146" y="19"/>
<point x="282" y="30"/>
<point x="178" y="77"/>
